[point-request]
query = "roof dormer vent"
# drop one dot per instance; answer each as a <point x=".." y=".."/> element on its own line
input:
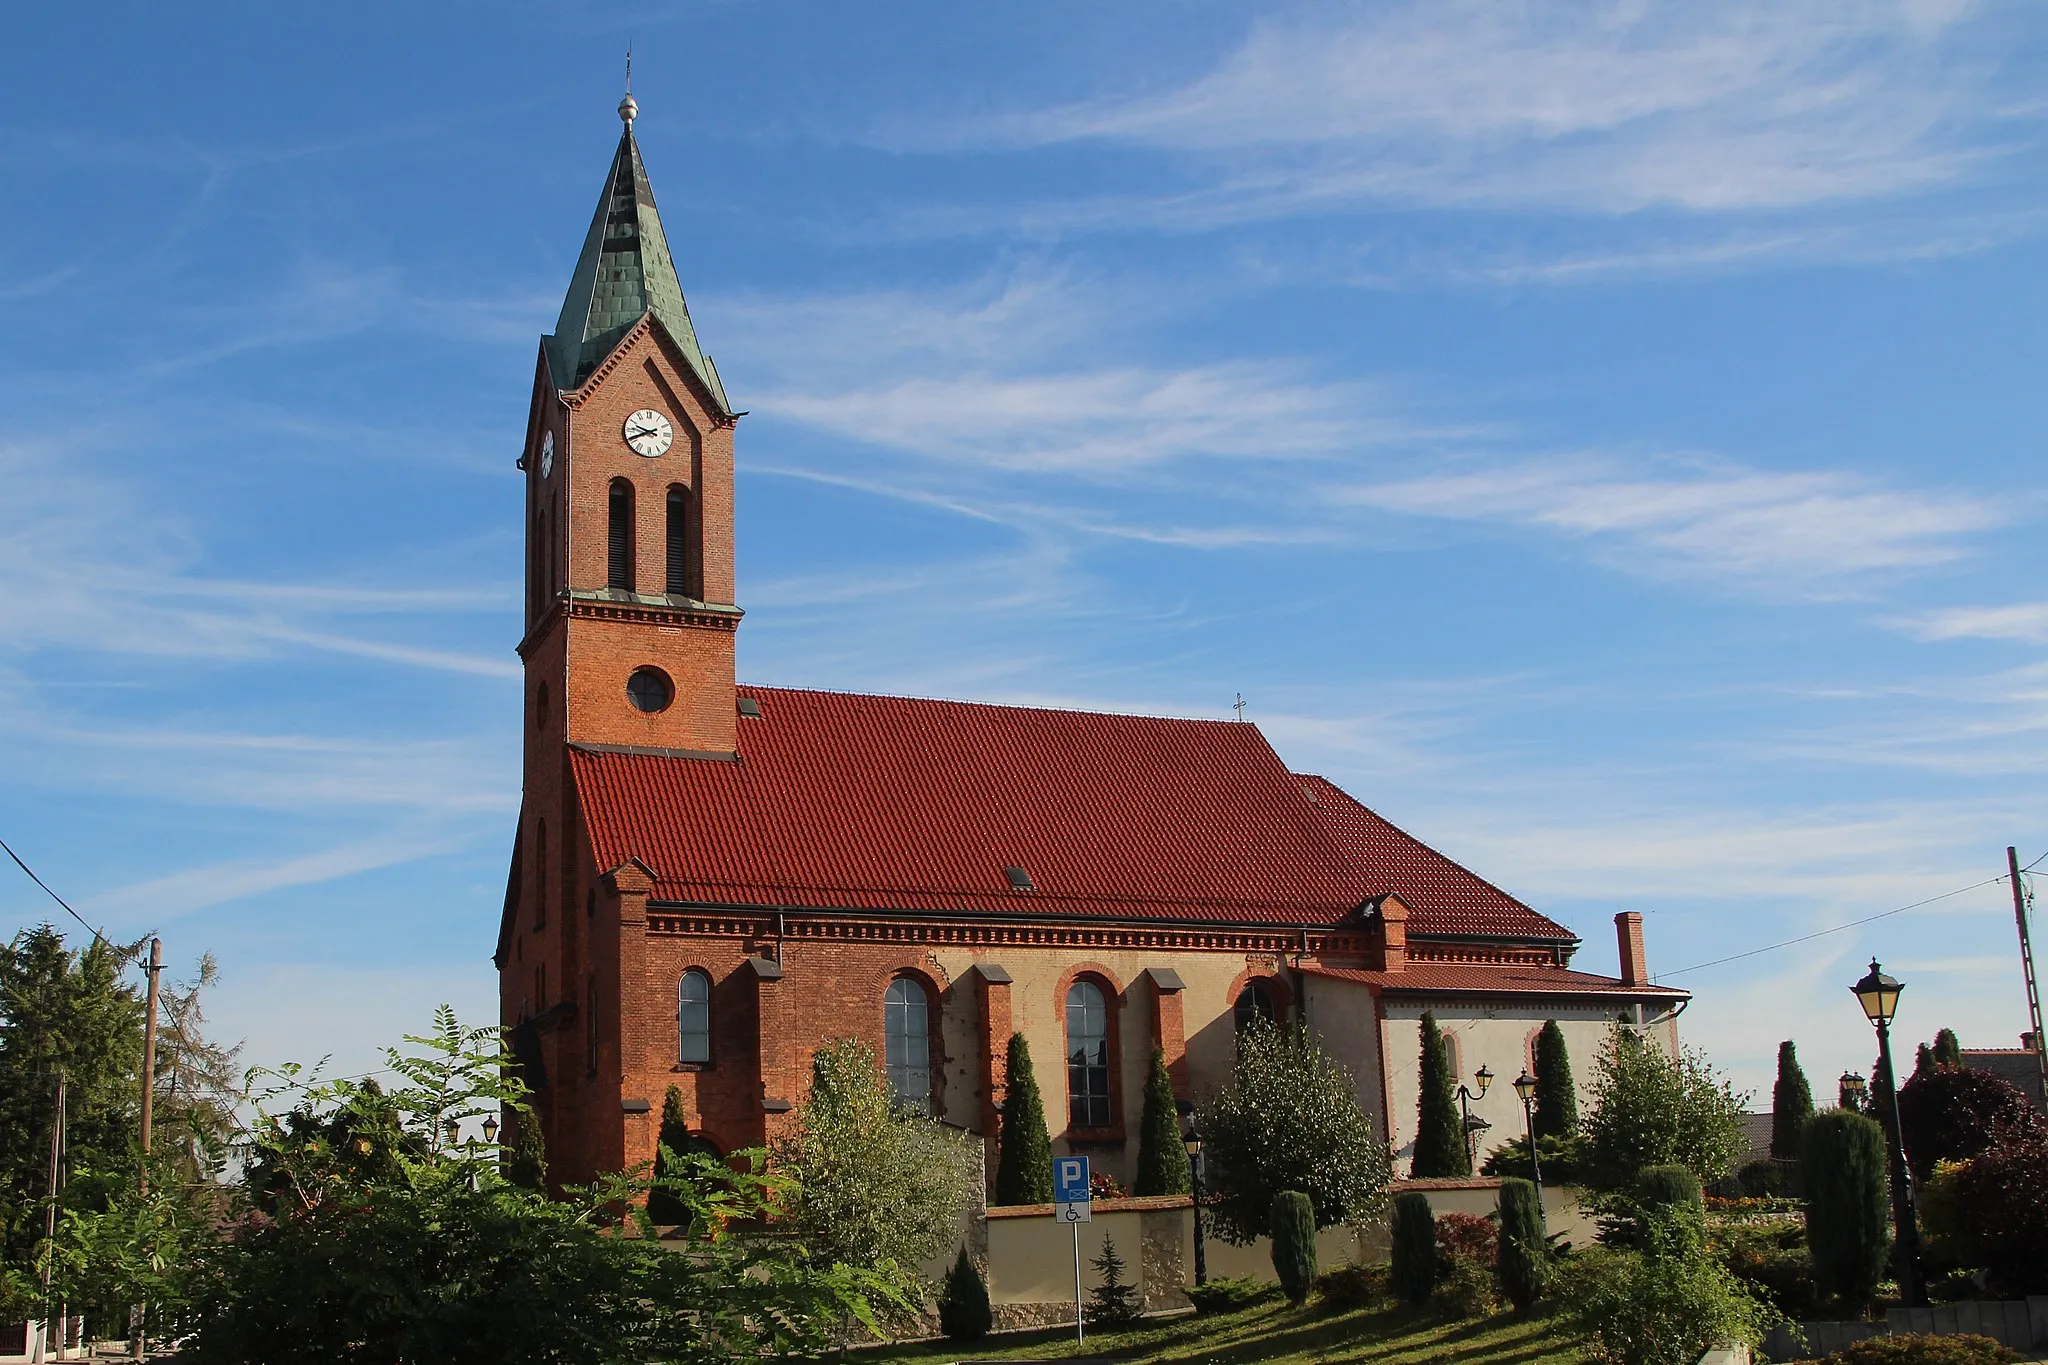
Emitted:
<point x="1020" y="880"/>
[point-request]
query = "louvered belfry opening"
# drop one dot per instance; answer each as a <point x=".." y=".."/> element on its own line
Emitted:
<point x="619" y="538"/>
<point x="679" y="541"/>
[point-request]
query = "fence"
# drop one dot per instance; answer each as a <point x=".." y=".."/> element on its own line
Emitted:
<point x="2021" y="1324"/>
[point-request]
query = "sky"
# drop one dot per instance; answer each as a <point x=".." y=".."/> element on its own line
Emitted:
<point x="1606" y="438"/>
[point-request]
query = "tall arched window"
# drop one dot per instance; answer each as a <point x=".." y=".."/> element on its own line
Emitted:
<point x="693" y="1016"/>
<point x="907" y="1044"/>
<point x="678" y="540"/>
<point x="1087" y="1056"/>
<point x="618" y="542"/>
<point x="1255" y="1001"/>
<point x="540" y="873"/>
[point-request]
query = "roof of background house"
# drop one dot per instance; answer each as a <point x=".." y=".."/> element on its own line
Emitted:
<point x="2016" y="1065"/>
<point x="856" y="802"/>
<point x="1756" y="1136"/>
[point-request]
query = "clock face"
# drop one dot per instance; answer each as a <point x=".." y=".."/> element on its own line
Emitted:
<point x="649" y="433"/>
<point x="547" y="454"/>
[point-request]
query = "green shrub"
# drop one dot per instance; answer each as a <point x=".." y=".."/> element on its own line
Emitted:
<point x="2002" y="1196"/>
<point x="1414" y="1248"/>
<point x="1523" y="1261"/>
<point x="1231" y="1295"/>
<point x="1557" y="1096"/>
<point x="1024" y="1154"/>
<point x="1633" y="1309"/>
<point x="1846" y="1192"/>
<point x="1162" y="1155"/>
<point x="1925" y="1350"/>
<point x="1668" y="1186"/>
<point x="1791" y="1105"/>
<point x="1293" y="1232"/>
<point x="1772" y="1259"/>
<point x="1440" y="1145"/>
<point x="1467" y="1237"/>
<point x="1466" y="1290"/>
<point x="1563" y="1159"/>
<point x="1651" y="1109"/>
<point x="1354" y="1286"/>
<point x="964" y="1313"/>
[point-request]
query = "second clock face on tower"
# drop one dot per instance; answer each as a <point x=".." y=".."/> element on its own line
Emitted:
<point x="649" y="433"/>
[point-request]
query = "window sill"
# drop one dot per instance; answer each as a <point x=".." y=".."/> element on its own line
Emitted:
<point x="691" y="1066"/>
<point x="1113" y="1136"/>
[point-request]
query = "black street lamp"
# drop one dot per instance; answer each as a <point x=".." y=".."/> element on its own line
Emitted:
<point x="1879" y="996"/>
<point x="490" y="1130"/>
<point x="1850" y="1090"/>
<point x="1194" y="1146"/>
<point x="1525" y="1086"/>
<point x="1473" y="1127"/>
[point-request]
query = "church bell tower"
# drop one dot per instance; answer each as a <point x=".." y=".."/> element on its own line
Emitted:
<point x="629" y="468"/>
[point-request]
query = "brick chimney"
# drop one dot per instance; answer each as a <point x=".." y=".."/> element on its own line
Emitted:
<point x="1392" y="949"/>
<point x="2027" y="1041"/>
<point x="1628" y="934"/>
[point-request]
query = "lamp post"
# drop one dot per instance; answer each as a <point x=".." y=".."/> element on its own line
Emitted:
<point x="453" y="1127"/>
<point x="1194" y="1146"/>
<point x="490" y="1130"/>
<point x="1879" y="996"/>
<point x="1474" y="1126"/>
<point x="1525" y="1087"/>
<point x="1850" y="1091"/>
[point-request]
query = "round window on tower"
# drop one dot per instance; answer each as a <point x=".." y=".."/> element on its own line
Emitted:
<point x="650" y="690"/>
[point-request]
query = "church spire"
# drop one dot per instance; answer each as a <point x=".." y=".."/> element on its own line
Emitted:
<point x="624" y="273"/>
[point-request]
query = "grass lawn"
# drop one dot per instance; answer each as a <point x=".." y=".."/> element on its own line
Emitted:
<point x="1275" y="1333"/>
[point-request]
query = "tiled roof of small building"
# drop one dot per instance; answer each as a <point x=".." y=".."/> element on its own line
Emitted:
<point x="856" y="802"/>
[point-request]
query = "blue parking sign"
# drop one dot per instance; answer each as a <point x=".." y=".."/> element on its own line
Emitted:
<point x="1070" y="1180"/>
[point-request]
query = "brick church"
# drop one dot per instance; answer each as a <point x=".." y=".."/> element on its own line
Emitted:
<point x="711" y="879"/>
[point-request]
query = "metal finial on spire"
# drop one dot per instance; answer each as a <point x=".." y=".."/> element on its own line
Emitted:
<point x="629" y="108"/>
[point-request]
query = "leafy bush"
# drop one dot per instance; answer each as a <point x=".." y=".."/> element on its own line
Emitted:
<point x="1963" y="1349"/>
<point x="1954" y="1115"/>
<point x="1414" y="1265"/>
<point x="1763" y="1179"/>
<point x="1293" y="1232"/>
<point x="1231" y="1295"/>
<point x="1772" y="1259"/>
<point x="1523" y="1262"/>
<point x="1846" y="1227"/>
<point x="1467" y="1237"/>
<point x="1663" y="1212"/>
<point x="1635" y="1309"/>
<point x="1102" y="1186"/>
<point x="1652" y="1110"/>
<point x="964" y="1314"/>
<point x="1563" y="1158"/>
<point x="1289" y="1119"/>
<point x="2002" y="1197"/>
<point x="1354" y="1286"/>
<point x="1466" y="1290"/>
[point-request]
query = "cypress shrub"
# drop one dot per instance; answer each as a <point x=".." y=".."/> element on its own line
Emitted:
<point x="1024" y="1157"/>
<point x="663" y="1207"/>
<point x="964" y="1313"/>
<point x="1844" y="1160"/>
<point x="526" y="1165"/>
<point x="1557" y="1097"/>
<point x="1162" y="1156"/>
<point x="1524" y="1261"/>
<point x="1413" y="1274"/>
<point x="1439" y="1129"/>
<point x="1667" y="1187"/>
<point x="1292" y="1227"/>
<point x="1948" y="1050"/>
<point x="1791" y="1104"/>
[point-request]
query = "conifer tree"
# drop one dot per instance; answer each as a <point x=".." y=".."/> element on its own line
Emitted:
<point x="1413" y="1272"/>
<point x="1162" y="1155"/>
<point x="1112" y="1303"/>
<point x="1439" y="1130"/>
<point x="1292" y="1227"/>
<point x="1024" y="1160"/>
<point x="1557" y="1095"/>
<point x="662" y="1206"/>
<point x="526" y="1165"/>
<point x="964" y="1313"/>
<point x="1846" y="1190"/>
<point x="1523" y="1261"/>
<point x="1791" y="1105"/>
<point x="1948" y="1050"/>
<point x="1923" y="1062"/>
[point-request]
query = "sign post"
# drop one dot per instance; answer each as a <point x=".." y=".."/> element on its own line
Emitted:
<point x="1071" y="1197"/>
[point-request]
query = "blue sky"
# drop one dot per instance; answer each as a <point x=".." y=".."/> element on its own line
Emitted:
<point x="1607" y="438"/>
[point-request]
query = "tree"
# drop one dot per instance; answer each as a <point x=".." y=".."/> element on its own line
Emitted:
<point x="1557" y="1095"/>
<point x="1523" y="1261"/>
<point x="1843" y="1156"/>
<point x="673" y="1139"/>
<point x="433" y="1255"/>
<point x="2002" y="1197"/>
<point x="1024" y="1161"/>
<point x="1112" y="1302"/>
<point x="1162" y="1155"/>
<point x="1293" y="1230"/>
<point x="1288" y="1118"/>
<point x="1791" y="1104"/>
<point x="1954" y="1115"/>
<point x="526" y="1162"/>
<point x="1440" y="1148"/>
<point x="1948" y="1050"/>
<point x="1650" y="1110"/>
<point x="964" y="1313"/>
<point x="875" y="1185"/>
<point x="1412" y="1274"/>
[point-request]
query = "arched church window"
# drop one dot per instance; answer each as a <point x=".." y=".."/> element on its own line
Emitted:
<point x="619" y="537"/>
<point x="678" y="541"/>
<point x="1087" y="1056"/>
<point x="1255" y="1001"/>
<point x="907" y="1044"/>
<point x="693" y="1016"/>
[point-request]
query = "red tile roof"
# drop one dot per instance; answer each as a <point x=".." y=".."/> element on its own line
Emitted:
<point x="1482" y="978"/>
<point x="848" y="801"/>
<point x="1441" y="896"/>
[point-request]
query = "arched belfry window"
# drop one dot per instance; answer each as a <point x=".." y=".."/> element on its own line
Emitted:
<point x="679" y="541"/>
<point x="618" y="542"/>
<point x="693" y="1016"/>
<point x="1087" y="1056"/>
<point x="1255" y="1001"/>
<point x="907" y="1044"/>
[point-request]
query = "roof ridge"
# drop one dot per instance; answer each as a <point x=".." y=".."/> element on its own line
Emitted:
<point x="1045" y="708"/>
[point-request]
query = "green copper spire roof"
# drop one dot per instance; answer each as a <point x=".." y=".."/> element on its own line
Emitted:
<point x="623" y="274"/>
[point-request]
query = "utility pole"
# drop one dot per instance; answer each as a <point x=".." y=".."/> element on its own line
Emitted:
<point x="156" y="967"/>
<point x="57" y="1125"/>
<point x="2019" y="914"/>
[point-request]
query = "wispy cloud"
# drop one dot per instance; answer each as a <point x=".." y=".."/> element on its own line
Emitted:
<point x="2026" y="622"/>
<point x="160" y="899"/>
